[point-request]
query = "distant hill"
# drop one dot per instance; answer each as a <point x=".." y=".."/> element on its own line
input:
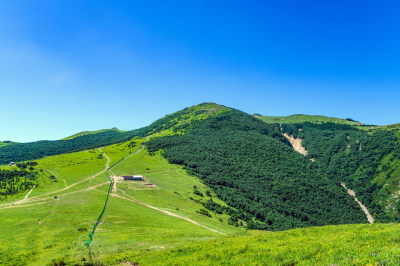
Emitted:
<point x="392" y="128"/>
<point x="83" y="133"/>
<point x="170" y="124"/>
<point x="7" y="142"/>
<point x="300" y="118"/>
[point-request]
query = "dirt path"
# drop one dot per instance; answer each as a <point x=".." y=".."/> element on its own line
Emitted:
<point x="83" y="180"/>
<point x="21" y="206"/>
<point x="107" y="158"/>
<point x="33" y="201"/>
<point x="139" y="150"/>
<point x="65" y="182"/>
<point x="363" y="207"/>
<point x="27" y="195"/>
<point x="40" y="197"/>
<point x="37" y="201"/>
<point x="163" y="211"/>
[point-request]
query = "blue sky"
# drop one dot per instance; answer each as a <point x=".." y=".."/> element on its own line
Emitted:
<point x="70" y="66"/>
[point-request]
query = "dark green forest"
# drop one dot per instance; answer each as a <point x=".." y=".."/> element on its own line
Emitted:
<point x="349" y="155"/>
<point x="253" y="168"/>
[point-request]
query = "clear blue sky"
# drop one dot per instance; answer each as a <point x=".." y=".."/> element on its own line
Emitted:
<point x="69" y="66"/>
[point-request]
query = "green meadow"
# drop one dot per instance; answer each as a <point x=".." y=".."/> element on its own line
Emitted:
<point x="89" y="133"/>
<point x="329" y="245"/>
<point x="300" y="118"/>
<point x="53" y="223"/>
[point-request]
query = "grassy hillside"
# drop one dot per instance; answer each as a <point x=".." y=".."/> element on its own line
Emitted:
<point x="328" y="245"/>
<point x="53" y="223"/>
<point x="90" y="133"/>
<point x="300" y="118"/>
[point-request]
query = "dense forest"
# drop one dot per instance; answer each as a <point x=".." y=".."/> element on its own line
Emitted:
<point x="252" y="167"/>
<point x="349" y="155"/>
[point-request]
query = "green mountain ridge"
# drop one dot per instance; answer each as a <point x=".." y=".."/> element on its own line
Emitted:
<point x="301" y="118"/>
<point x="209" y="170"/>
<point x="90" y="132"/>
<point x="89" y="140"/>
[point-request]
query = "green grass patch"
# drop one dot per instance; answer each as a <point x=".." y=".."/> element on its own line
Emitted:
<point x="300" y="118"/>
<point x="329" y="245"/>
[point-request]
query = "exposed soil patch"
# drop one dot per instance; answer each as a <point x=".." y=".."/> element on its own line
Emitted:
<point x="296" y="144"/>
<point x="363" y="207"/>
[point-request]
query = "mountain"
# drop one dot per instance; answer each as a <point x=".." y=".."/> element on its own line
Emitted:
<point x="83" y="133"/>
<point x="209" y="170"/>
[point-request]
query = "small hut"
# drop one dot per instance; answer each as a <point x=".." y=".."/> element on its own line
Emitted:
<point x="132" y="177"/>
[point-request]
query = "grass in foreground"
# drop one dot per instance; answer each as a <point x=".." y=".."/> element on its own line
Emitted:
<point x="329" y="245"/>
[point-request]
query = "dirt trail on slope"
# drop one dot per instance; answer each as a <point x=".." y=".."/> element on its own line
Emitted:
<point x="163" y="211"/>
<point x="296" y="144"/>
<point x="139" y="150"/>
<point x="363" y="207"/>
<point x="83" y="180"/>
<point x="37" y="200"/>
<point x="34" y="201"/>
<point x="27" y="195"/>
<point x="65" y="182"/>
<point x="107" y="158"/>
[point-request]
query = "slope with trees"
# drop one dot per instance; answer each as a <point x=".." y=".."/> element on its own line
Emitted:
<point x="252" y="167"/>
<point x="363" y="161"/>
